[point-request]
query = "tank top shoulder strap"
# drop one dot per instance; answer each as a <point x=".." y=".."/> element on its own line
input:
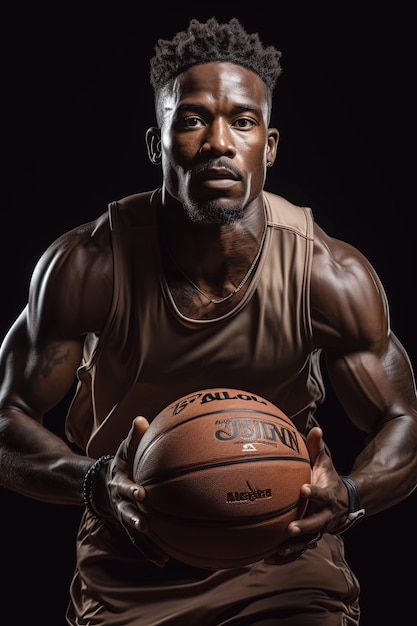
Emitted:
<point x="284" y="214"/>
<point x="132" y="211"/>
<point x="125" y="217"/>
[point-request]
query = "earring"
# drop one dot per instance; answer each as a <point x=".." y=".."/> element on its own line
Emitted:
<point x="269" y="164"/>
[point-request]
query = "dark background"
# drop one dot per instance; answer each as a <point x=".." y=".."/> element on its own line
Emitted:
<point x="76" y="102"/>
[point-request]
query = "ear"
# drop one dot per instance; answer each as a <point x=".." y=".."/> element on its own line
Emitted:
<point x="272" y="146"/>
<point x="153" y="144"/>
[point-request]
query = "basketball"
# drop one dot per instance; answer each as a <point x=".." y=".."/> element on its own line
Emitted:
<point x="222" y="469"/>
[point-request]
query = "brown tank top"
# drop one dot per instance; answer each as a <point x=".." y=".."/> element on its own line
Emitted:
<point x="149" y="354"/>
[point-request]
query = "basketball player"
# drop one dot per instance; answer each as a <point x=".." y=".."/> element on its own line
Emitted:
<point x="208" y="281"/>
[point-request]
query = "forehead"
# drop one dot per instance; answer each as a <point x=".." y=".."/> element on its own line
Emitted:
<point x="217" y="82"/>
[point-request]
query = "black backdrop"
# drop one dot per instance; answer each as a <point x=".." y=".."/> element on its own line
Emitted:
<point x="76" y="102"/>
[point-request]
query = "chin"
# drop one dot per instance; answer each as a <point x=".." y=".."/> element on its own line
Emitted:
<point x="216" y="211"/>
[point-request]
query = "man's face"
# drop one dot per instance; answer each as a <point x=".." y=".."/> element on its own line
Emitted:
<point x="215" y="141"/>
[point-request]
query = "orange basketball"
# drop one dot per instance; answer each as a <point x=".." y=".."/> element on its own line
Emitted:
<point x="222" y="469"/>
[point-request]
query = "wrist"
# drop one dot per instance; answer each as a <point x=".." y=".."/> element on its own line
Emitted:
<point x="355" y="511"/>
<point x="90" y="484"/>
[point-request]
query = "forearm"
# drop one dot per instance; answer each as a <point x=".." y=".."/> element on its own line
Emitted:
<point x="386" y="470"/>
<point x="37" y="463"/>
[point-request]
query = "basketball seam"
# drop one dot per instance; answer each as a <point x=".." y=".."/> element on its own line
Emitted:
<point x="246" y="521"/>
<point x="189" y="469"/>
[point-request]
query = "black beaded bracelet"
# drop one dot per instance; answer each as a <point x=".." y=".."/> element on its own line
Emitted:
<point x="90" y="482"/>
<point x="356" y="512"/>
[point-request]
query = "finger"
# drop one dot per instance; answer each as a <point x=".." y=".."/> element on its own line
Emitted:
<point x="315" y="443"/>
<point x="305" y="529"/>
<point x="132" y="518"/>
<point x="130" y="490"/>
<point x="290" y="551"/>
<point x="139" y="426"/>
<point x="313" y="543"/>
<point x="294" y="549"/>
<point x="135" y="526"/>
<point x="276" y="559"/>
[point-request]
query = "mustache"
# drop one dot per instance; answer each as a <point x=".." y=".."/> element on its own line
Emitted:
<point x="221" y="162"/>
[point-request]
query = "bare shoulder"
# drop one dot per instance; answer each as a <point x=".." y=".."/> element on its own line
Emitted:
<point x="349" y="305"/>
<point x="71" y="286"/>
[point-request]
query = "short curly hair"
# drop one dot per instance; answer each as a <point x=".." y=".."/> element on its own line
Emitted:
<point x="212" y="41"/>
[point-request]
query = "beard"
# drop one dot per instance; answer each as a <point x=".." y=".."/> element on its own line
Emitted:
<point x="212" y="212"/>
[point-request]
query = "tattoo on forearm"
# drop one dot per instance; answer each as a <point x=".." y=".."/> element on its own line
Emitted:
<point x="53" y="357"/>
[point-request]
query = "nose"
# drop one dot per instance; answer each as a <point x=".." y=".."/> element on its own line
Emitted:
<point x="218" y="140"/>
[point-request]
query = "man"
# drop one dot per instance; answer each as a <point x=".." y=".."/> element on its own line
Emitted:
<point x="208" y="281"/>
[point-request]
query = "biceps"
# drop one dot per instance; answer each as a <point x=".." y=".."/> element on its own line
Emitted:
<point x="36" y="379"/>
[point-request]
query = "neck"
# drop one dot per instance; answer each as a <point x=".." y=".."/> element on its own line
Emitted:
<point x="217" y="261"/>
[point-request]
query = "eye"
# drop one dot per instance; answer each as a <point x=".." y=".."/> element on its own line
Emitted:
<point x="192" y="121"/>
<point x="244" y="123"/>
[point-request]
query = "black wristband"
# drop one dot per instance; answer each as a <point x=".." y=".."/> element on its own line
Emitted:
<point x="356" y="512"/>
<point x="90" y="482"/>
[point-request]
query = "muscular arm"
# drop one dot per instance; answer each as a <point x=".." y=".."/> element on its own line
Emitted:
<point x="369" y="370"/>
<point x="69" y="296"/>
<point x="33" y="460"/>
<point x="375" y="391"/>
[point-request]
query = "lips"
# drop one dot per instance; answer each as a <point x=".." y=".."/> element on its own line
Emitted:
<point x="217" y="174"/>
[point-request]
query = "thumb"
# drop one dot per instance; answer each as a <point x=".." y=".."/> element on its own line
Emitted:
<point x="139" y="426"/>
<point x="315" y="443"/>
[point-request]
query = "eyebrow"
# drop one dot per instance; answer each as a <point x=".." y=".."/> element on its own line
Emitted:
<point x="200" y="107"/>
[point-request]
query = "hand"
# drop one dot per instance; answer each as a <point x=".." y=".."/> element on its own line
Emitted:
<point x="293" y="548"/>
<point x="125" y="494"/>
<point x="327" y="504"/>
